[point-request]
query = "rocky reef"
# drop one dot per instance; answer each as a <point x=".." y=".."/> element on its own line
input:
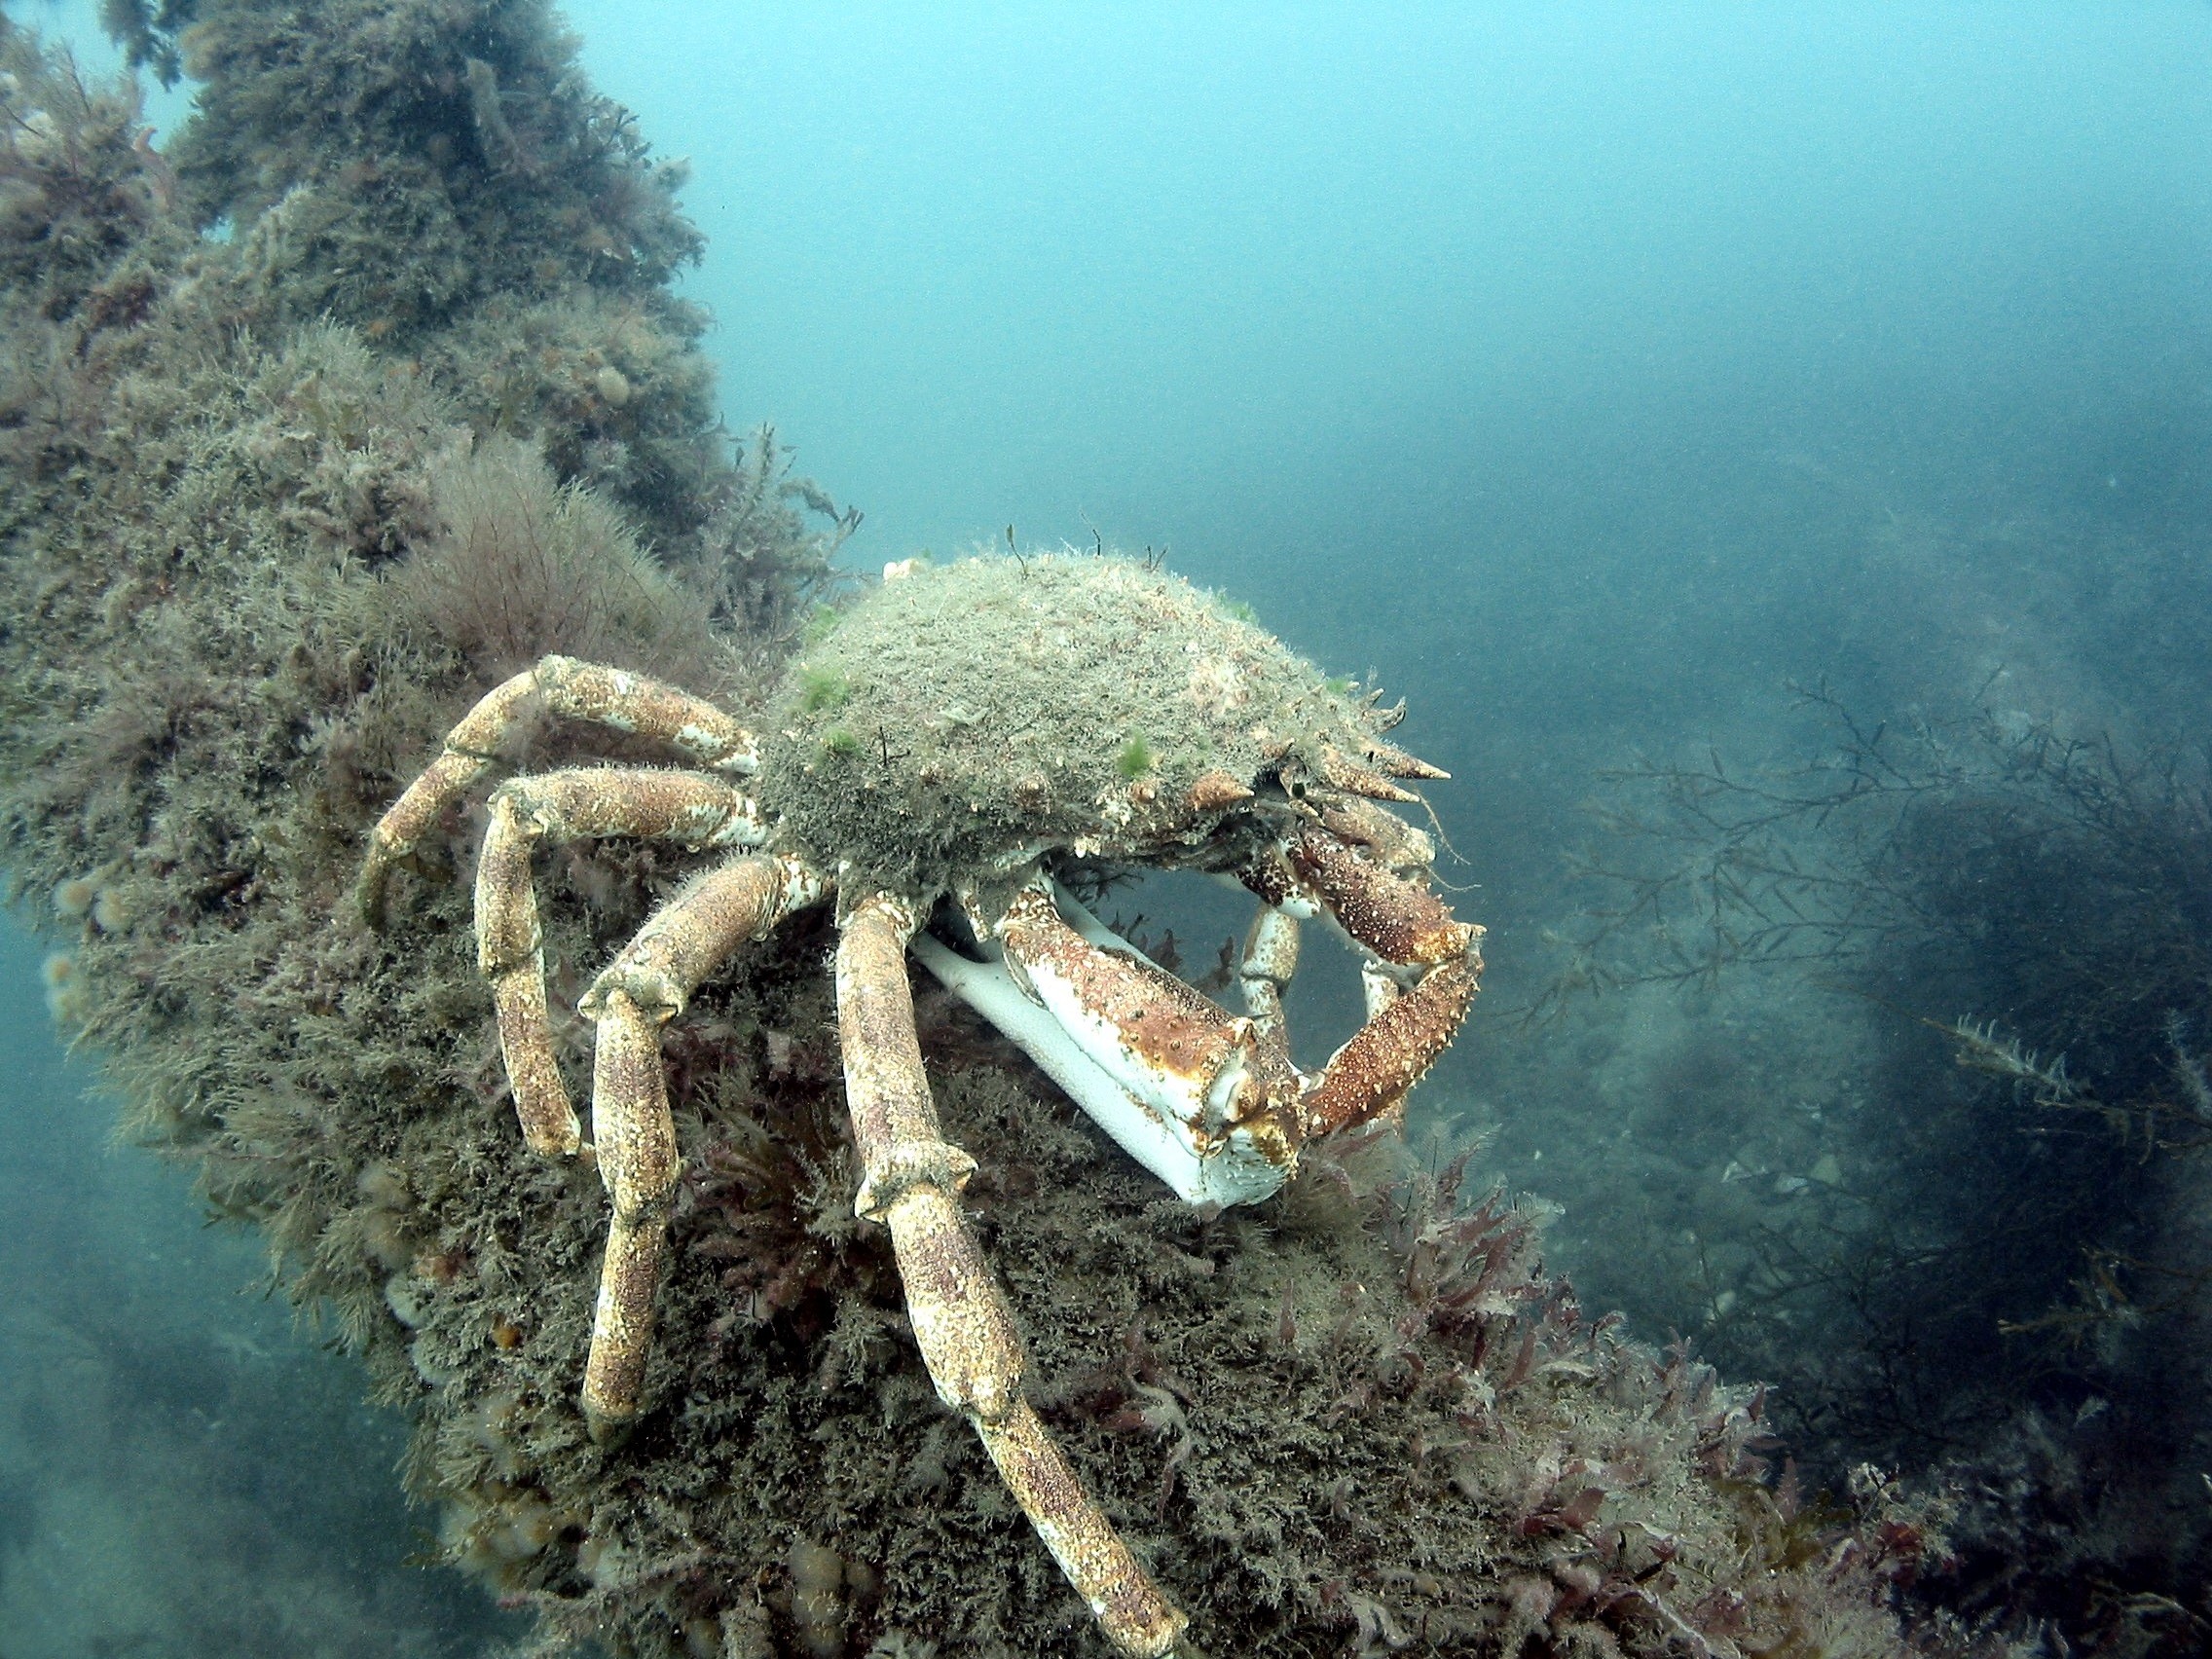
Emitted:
<point x="318" y="422"/>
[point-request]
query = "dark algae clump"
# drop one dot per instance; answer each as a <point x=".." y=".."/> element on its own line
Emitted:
<point x="314" y="426"/>
<point x="2004" y="1279"/>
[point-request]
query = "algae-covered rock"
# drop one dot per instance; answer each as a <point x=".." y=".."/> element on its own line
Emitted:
<point x="250" y="485"/>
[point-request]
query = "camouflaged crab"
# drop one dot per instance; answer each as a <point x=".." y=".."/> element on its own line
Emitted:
<point x="963" y="740"/>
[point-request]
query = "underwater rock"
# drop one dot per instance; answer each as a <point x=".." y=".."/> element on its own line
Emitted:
<point x="248" y="483"/>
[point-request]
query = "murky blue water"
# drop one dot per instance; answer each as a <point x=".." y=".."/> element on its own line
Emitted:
<point x="1586" y="372"/>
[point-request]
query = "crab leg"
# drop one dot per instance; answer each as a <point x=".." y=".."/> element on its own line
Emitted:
<point x="1144" y="1132"/>
<point x="1381" y="837"/>
<point x="1208" y="1101"/>
<point x="1270" y="959"/>
<point x="961" y="1322"/>
<point x="646" y="986"/>
<point x="690" y="807"/>
<point x="643" y="988"/>
<point x="1316" y="874"/>
<point x="580" y="691"/>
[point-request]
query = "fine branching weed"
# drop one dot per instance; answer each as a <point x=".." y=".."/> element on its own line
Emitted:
<point x="1135" y="759"/>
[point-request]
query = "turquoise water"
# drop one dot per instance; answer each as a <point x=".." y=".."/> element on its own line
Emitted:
<point x="183" y="1469"/>
<point x="1587" y="373"/>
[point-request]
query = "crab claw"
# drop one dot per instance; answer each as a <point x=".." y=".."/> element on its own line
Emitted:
<point x="1419" y="945"/>
<point x="1206" y="1100"/>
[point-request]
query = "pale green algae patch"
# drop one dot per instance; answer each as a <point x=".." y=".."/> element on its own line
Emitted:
<point x="964" y="711"/>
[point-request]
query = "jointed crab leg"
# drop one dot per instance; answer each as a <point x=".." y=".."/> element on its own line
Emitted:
<point x="961" y="1322"/>
<point x="1381" y="837"/>
<point x="1391" y="1053"/>
<point x="635" y="1141"/>
<point x="1314" y="872"/>
<point x="647" y="986"/>
<point x="579" y="691"/>
<point x="640" y="992"/>
<point x="1146" y="1133"/>
<point x="1271" y="958"/>
<point x="1225" y="1094"/>
<point x="690" y="807"/>
<point x="1211" y="1103"/>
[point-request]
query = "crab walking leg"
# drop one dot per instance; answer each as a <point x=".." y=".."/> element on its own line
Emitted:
<point x="638" y="1166"/>
<point x="690" y="807"/>
<point x="645" y="987"/>
<point x="962" y="1324"/>
<point x="579" y="691"/>
<point x="1270" y="959"/>
<point x="1314" y="872"/>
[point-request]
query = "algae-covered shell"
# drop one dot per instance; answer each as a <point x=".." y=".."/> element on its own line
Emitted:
<point x="965" y="714"/>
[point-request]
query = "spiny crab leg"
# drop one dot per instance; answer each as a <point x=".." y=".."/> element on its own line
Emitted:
<point x="641" y="991"/>
<point x="961" y="1322"/>
<point x="1270" y="962"/>
<point x="1380" y="839"/>
<point x="1266" y="970"/>
<point x="1208" y="1102"/>
<point x="646" y="986"/>
<point x="1312" y="872"/>
<point x="990" y="989"/>
<point x="1216" y="1100"/>
<point x="563" y="685"/>
<point x="689" y="807"/>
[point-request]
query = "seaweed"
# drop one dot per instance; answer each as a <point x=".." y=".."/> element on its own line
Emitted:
<point x="2021" y="1240"/>
<point x="520" y="565"/>
<point x="78" y="185"/>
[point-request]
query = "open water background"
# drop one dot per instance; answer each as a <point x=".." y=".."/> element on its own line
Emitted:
<point x="1588" y="373"/>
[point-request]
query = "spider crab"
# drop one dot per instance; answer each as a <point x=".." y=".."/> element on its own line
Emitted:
<point x="963" y="739"/>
